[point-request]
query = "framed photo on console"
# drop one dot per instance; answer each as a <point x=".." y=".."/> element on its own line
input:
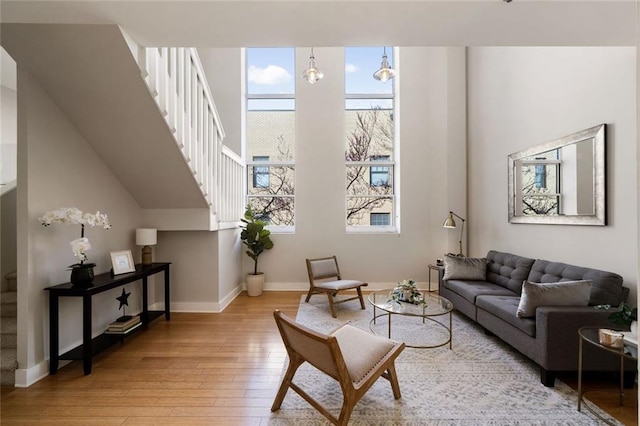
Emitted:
<point x="122" y="262"/>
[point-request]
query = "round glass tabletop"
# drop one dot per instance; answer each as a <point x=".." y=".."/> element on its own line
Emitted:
<point x="433" y="305"/>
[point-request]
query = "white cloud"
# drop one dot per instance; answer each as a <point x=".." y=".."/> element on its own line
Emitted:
<point x="272" y="74"/>
<point x="349" y="68"/>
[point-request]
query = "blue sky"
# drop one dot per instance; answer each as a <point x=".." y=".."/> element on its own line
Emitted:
<point x="272" y="70"/>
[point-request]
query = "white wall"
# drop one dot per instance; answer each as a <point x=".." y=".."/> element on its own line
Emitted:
<point x="523" y="96"/>
<point x="432" y="113"/>
<point x="194" y="269"/>
<point x="230" y="254"/>
<point x="8" y="135"/>
<point x="58" y="168"/>
<point x="221" y="66"/>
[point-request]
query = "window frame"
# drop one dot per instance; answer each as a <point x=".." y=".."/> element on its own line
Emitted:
<point x="268" y="164"/>
<point x="393" y="162"/>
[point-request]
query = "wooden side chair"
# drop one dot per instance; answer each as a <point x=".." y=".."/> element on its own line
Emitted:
<point x="324" y="277"/>
<point x="351" y="356"/>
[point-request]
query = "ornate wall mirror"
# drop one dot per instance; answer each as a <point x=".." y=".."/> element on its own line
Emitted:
<point x="560" y="182"/>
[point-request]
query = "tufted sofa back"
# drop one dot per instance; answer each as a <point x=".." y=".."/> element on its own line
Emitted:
<point x="508" y="270"/>
<point x="606" y="287"/>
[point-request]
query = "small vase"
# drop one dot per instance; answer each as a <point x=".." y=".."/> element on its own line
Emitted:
<point x="634" y="328"/>
<point x="82" y="275"/>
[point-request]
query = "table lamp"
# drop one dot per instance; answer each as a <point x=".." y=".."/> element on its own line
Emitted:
<point x="146" y="237"/>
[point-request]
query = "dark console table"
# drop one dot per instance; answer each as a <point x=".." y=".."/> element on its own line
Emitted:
<point x="101" y="283"/>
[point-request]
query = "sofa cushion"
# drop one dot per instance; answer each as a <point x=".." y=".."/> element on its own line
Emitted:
<point x="505" y="307"/>
<point x="471" y="289"/>
<point x="565" y="293"/>
<point x="508" y="270"/>
<point x="606" y="287"/>
<point x="464" y="268"/>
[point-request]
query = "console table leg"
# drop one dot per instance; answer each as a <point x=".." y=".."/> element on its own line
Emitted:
<point x="145" y="303"/>
<point x="87" y="348"/>
<point x="53" y="334"/>
<point x="167" y="295"/>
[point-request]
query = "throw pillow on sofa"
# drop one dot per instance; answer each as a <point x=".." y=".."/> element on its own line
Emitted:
<point x="564" y="293"/>
<point x="464" y="268"/>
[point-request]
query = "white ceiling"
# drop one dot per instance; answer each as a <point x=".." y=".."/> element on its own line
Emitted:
<point x="236" y="23"/>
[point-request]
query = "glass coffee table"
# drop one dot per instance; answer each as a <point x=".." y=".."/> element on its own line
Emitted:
<point x="418" y="326"/>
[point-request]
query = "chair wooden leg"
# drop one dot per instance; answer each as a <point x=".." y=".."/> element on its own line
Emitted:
<point x="347" y="408"/>
<point x="361" y="298"/>
<point x="294" y="363"/>
<point x="309" y="295"/>
<point x="393" y="379"/>
<point x="331" y="304"/>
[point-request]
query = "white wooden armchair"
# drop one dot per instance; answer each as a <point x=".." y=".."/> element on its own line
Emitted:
<point x="324" y="277"/>
<point x="353" y="357"/>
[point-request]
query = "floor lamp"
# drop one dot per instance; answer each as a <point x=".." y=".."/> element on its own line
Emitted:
<point x="451" y="224"/>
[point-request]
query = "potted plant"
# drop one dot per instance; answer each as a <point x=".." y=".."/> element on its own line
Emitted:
<point x="626" y="316"/>
<point x="407" y="291"/>
<point x="257" y="239"/>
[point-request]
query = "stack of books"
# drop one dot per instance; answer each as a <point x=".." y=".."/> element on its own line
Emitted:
<point x="124" y="325"/>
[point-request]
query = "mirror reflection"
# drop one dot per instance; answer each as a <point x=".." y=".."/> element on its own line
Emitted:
<point x="559" y="182"/>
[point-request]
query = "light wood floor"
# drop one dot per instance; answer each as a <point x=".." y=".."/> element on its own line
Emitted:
<point x="197" y="369"/>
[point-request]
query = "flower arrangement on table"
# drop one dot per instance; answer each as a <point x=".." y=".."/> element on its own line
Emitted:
<point x="407" y="291"/>
<point x="79" y="246"/>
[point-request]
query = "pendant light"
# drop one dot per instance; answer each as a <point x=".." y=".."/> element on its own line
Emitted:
<point x="312" y="74"/>
<point x="385" y="72"/>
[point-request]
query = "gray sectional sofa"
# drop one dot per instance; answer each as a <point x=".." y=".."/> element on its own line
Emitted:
<point x="550" y="338"/>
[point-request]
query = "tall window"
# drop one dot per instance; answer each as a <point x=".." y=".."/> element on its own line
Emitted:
<point x="370" y="151"/>
<point x="270" y="130"/>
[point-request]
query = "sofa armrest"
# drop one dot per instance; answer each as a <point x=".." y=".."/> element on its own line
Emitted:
<point x="557" y="333"/>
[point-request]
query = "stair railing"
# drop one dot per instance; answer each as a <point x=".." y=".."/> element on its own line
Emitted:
<point x="177" y="82"/>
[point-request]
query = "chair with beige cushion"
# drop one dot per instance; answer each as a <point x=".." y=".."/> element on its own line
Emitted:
<point x="324" y="277"/>
<point x="342" y="356"/>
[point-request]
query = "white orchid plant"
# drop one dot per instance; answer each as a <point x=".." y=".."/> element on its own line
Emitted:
<point x="74" y="216"/>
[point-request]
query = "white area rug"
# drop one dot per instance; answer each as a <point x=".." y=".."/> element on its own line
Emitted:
<point x="481" y="381"/>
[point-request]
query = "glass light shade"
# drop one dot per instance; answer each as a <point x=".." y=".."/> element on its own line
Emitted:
<point x="385" y="73"/>
<point x="312" y="74"/>
<point x="146" y="236"/>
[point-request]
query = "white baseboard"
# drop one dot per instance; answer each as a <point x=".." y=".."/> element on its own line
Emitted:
<point x="25" y="377"/>
<point x="203" y="307"/>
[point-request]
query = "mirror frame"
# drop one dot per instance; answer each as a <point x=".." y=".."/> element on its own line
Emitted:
<point x="597" y="133"/>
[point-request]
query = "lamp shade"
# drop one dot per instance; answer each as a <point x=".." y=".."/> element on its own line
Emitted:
<point x="146" y="236"/>
<point x="449" y="222"/>
<point x="385" y="73"/>
<point x="312" y="74"/>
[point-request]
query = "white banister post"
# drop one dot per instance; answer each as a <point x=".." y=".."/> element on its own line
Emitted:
<point x="200" y="122"/>
<point x="180" y="99"/>
<point x="172" y="86"/>
<point x="193" y="118"/>
<point x="205" y="150"/>
<point x="152" y="70"/>
<point x="163" y="76"/>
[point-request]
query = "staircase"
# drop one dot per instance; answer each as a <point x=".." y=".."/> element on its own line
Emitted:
<point x="8" y="331"/>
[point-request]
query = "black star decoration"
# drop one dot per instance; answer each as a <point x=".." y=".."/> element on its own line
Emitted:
<point x="123" y="299"/>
